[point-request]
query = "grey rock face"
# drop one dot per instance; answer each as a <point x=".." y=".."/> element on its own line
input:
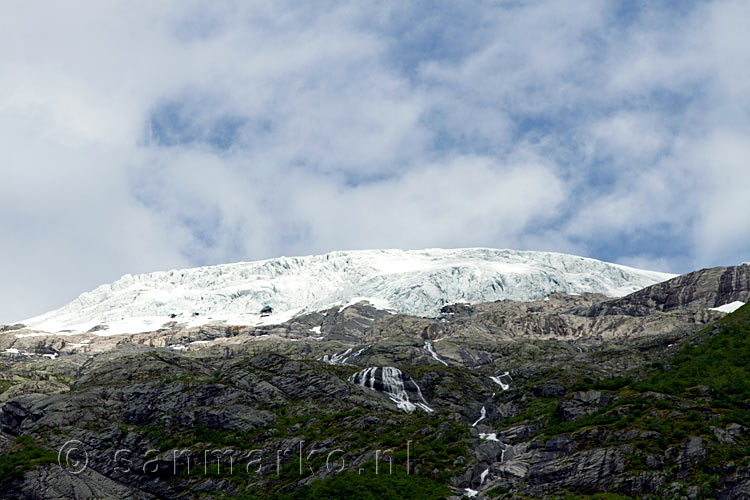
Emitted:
<point x="594" y="470"/>
<point x="693" y="451"/>
<point x="10" y="328"/>
<point x="692" y="291"/>
<point x="735" y="486"/>
<point x="268" y="388"/>
<point x="659" y="309"/>
<point x="50" y="482"/>
<point x="548" y="390"/>
<point x="583" y="403"/>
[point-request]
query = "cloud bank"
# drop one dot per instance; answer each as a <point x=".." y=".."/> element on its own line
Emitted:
<point x="190" y="133"/>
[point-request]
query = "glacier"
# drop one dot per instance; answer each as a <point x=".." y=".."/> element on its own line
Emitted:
<point x="417" y="282"/>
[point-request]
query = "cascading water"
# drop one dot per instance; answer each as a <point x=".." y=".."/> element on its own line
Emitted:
<point x="392" y="383"/>
<point x="482" y="416"/>
<point x="365" y="378"/>
<point x="499" y="380"/>
<point x="336" y="359"/>
<point x="483" y="477"/>
<point x="343" y="357"/>
<point x="428" y="347"/>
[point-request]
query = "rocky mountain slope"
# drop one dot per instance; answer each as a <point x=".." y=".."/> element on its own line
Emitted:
<point x="707" y="288"/>
<point x="566" y="396"/>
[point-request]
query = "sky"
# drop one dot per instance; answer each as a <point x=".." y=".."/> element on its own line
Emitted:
<point x="149" y="136"/>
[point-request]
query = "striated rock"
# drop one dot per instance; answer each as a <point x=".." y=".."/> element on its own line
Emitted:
<point x="583" y="403"/>
<point x="597" y="469"/>
<point x="304" y="384"/>
<point x="644" y="483"/>
<point x="50" y="482"/>
<point x="692" y="291"/>
<point x="735" y="486"/>
<point x="547" y="390"/>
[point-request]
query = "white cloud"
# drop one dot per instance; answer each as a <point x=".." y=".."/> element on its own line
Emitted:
<point x="723" y="163"/>
<point x="553" y="125"/>
<point x="466" y="201"/>
<point x="630" y="139"/>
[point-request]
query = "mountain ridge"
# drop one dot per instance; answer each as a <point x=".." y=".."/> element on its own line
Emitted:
<point x="502" y="399"/>
<point x="416" y="282"/>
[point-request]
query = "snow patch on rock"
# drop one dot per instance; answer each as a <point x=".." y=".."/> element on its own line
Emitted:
<point x="729" y="308"/>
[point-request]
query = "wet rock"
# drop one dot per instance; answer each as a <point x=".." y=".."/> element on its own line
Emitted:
<point x="488" y="451"/>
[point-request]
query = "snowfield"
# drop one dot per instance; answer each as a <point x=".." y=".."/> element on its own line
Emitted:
<point x="729" y="308"/>
<point x="416" y="282"/>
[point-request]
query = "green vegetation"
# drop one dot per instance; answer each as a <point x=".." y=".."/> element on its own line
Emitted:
<point x="597" y="496"/>
<point x="697" y="392"/>
<point x="607" y="384"/>
<point x="719" y="361"/>
<point x="496" y="492"/>
<point x="24" y="455"/>
<point x="165" y="440"/>
<point x="434" y="447"/>
<point x="705" y="386"/>
<point x="368" y="486"/>
<point x="5" y="385"/>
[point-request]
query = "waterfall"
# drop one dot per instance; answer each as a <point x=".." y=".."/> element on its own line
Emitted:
<point x="365" y="378"/>
<point x="482" y="416"/>
<point x="393" y="385"/>
<point x="431" y="350"/>
<point x="342" y="358"/>
<point x="336" y="359"/>
<point x="498" y="380"/>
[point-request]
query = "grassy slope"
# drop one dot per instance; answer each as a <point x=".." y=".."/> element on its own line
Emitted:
<point x="23" y="455"/>
<point x="707" y="385"/>
<point x="704" y="386"/>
